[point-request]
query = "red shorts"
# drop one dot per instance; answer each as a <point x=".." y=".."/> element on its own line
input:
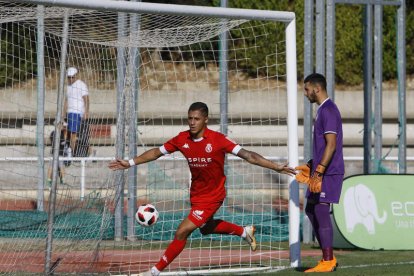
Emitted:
<point x="200" y="214"/>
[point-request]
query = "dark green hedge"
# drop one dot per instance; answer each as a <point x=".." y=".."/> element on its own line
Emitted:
<point x="349" y="39"/>
<point x="18" y="57"/>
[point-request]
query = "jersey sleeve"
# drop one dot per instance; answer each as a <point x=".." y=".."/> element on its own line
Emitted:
<point x="332" y="121"/>
<point x="229" y="145"/>
<point x="170" y="146"/>
<point x="84" y="89"/>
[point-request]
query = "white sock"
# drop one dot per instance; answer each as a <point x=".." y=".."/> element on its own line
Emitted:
<point x="244" y="233"/>
<point x="155" y="271"/>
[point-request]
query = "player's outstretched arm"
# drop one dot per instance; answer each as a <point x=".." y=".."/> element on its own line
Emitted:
<point x="149" y="155"/>
<point x="256" y="159"/>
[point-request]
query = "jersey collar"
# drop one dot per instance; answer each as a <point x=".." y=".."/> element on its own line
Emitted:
<point x="206" y="134"/>
<point x="327" y="99"/>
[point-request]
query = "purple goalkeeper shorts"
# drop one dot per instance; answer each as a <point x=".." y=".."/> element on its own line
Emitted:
<point x="331" y="189"/>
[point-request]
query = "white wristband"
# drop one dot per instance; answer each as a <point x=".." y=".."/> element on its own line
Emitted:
<point x="131" y="162"/>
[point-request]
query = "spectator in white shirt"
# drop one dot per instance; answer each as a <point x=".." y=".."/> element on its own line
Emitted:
<point x="76" y="108"/>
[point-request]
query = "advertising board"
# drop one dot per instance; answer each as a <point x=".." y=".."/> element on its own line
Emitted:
<point x="377" y="211"/>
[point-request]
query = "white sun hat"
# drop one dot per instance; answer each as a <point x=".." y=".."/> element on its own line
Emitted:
<point x="72" y="71"/>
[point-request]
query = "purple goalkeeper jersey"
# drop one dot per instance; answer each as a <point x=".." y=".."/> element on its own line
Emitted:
<point x="328" y="120"/>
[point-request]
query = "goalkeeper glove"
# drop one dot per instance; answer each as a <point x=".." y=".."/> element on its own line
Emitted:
<point x="304" y="172"/>
<point x="315" y="182"/>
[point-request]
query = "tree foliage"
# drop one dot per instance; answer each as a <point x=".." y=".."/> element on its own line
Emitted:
<point x="349" y="41"/>
<point x="256" y="56"/>
<point x="18" y="57"/>
<point x="17" y="54"/>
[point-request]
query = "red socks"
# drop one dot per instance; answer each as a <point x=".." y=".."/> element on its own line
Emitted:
<point x="224" y="227"/>
<point x="172" y="251"/>
<point x="177" y="246"/>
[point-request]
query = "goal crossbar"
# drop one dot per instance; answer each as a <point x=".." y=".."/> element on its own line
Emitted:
<point x="170" y="9"/>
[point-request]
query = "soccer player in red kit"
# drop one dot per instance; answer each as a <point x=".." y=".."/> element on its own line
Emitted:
<point x="204" y="150"/>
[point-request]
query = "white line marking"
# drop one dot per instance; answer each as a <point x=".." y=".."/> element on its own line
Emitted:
<point x="372" y="265"/>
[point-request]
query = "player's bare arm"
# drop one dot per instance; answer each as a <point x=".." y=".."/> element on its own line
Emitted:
<point x="149" y="155"/>
<point x="330" y="148"/>
<point x="86" y="101"/>
<point x="65" y="109"/>
<point x="256" y="159"/>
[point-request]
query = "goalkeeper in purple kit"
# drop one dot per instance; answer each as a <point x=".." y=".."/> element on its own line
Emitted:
<point x="324" y="173"/>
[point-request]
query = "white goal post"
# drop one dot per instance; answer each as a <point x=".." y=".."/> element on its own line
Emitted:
<point x="271" y="129"/>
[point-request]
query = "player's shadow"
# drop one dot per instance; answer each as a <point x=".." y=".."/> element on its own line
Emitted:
<point x="301" y="269"/>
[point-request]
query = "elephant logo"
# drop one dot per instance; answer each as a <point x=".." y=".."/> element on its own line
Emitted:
<point x="360" y="206"/>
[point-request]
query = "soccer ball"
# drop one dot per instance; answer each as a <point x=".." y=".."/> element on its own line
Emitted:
<point x="147" y="215"/>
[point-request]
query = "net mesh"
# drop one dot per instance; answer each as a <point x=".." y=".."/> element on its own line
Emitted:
<point x="168" y="62"/>
<point x="153" y="30"/>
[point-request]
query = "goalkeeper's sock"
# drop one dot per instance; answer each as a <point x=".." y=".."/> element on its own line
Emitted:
<point x="224" y="227"/>
<point x="325" y="229"/>
<point x="310" y="212"/>
<point x="172" y="251"/>
<point x="327" y="254"/>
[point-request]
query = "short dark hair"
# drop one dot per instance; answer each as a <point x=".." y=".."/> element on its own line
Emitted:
<point x="199" y="106"/>
<point x="316" y="78"/>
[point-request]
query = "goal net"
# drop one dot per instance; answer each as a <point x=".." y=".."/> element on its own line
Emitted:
<point x="142" y="70"/>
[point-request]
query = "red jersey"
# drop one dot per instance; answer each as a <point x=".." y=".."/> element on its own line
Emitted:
<point x="205" y="157"/>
